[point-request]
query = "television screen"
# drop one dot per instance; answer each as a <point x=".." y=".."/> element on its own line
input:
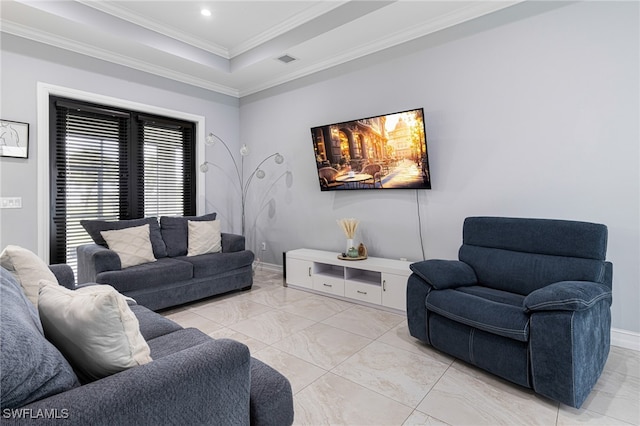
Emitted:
<point x="381" y="152"/>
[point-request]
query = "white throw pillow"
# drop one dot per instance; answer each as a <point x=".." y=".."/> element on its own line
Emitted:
<point x="93" y="327"/>
<point x="28" y="269"/>
<point x="133" y="245"/>
<point x="204" y="237"/>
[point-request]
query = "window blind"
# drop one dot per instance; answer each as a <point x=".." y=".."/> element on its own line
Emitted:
<point x="113" y="164"/>
<point x="167" y="168"/>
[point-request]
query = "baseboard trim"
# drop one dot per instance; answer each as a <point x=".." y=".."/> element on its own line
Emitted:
<point x="267" y="266"/>
<point x="622" y="338"/>
<point x="625" y="339"/>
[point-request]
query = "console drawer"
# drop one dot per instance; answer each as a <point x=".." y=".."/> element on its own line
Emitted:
<point x="369" y="293"/>
<point x="327" y="284"/>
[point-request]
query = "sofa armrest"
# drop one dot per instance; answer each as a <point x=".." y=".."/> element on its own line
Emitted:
<point x="205" y="384"/>
<point x="232" y="243"/>
<point x="64" y="275"/>
<point x="93" y="259"/>
<point x="443" y="274"/>
<point x="567" y="296"/>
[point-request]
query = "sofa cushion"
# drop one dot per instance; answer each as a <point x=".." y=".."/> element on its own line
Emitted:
<point x="177" y="341"/>
<point x="163" y="271"/>
<point x="479" y="312"/>
<point x="94" y="227"/>
<point x="131" y="244"/>
<point x="32" y="368"/>
<point x="175" y="232"/>
<point x="27" y="268"/>
<point x="211" y="264"/>
<point x="93" y="327"/>
<point x="152" y="324"/>
<point x="204" y="237"/>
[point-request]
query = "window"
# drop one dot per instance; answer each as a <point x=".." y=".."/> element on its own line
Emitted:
<point x="111" y="164"/>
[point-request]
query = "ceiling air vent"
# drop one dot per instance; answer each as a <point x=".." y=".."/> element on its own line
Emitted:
<point x="285" y="59"/>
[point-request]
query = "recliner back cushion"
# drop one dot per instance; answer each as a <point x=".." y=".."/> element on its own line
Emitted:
<point x="523" y="273"/>
<point x="540" y="236"/>
<point x="523" y="255"/>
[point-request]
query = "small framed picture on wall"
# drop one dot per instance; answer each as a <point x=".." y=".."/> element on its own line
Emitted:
<point x="14" y="139"/>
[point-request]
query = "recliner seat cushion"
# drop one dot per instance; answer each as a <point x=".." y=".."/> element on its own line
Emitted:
<point x="499" y="296"/>
<point x="163" y="271"/>
<point x="478" y="312"/>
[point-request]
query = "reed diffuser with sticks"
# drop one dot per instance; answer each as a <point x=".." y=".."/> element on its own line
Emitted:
<point x="349" y="226"/>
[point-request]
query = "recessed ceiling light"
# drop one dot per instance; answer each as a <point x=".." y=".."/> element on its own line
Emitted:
<point x="205" y="12"/>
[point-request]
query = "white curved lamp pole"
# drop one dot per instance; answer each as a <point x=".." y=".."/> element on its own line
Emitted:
<point x="257" y="172"/>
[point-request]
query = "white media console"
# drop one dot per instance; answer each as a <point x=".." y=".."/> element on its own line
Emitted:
<point x="373" y="281"/>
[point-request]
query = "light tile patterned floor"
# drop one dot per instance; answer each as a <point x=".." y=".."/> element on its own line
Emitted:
<point x="354" y="365"/>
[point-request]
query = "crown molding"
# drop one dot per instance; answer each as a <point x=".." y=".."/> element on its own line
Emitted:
<point x="458" y="16"/>
<point x="155" y="26"/>
<point x="308" y="14"/>
<point x="105" y="55"/>
<point x="301" y="18"/>
<point x="410" y="33"/>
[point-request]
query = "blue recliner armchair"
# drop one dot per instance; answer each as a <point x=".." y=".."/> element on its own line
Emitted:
<point x="528" y="300"/>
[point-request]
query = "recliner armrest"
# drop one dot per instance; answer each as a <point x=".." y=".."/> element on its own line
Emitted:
<point x="93" y="259"/>
<point x="567" y="296"/>
<point x="232" y="243"/>
<point x="442" y="274"/>
<point x="205" y="384"/>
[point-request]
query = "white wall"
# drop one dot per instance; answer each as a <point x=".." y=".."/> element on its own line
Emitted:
<point x="536" y="118"/>
<point x="25" y="63"/>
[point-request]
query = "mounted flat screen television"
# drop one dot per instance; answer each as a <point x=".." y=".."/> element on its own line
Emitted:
<point x="382" y="152"/>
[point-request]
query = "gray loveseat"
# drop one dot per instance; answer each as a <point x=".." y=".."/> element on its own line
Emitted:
<point x="192" y="380"/>
<point x="174" y="278"/>
<point x="528" y="300"/>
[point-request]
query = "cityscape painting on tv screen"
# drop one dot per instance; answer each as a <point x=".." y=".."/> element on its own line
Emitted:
<point x="382" y="152"/>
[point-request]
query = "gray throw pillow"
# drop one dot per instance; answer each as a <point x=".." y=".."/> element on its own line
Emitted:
<point x="32" y="368"/>
<point x="175" y="232"/>
<point x="94" y="227"/>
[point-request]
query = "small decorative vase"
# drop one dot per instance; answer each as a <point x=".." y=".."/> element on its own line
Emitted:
<point x="349" y="245"/>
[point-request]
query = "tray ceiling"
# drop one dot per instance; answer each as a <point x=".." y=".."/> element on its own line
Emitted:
<point x="234" y="51"/>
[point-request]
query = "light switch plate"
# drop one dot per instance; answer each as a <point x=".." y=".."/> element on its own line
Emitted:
<point x="11" y="202"/>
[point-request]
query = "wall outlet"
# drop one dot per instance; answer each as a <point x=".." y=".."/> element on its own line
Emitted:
<point x="263" y="246"/>
<point x="11" y="202"/>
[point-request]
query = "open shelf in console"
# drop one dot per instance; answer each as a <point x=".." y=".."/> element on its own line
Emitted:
<point x="363" y="276"/>
<point x="327" y="270"/>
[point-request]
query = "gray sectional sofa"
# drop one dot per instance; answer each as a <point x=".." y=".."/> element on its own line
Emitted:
<point x="193" y="379"/>
<point x="174" y="278"/>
